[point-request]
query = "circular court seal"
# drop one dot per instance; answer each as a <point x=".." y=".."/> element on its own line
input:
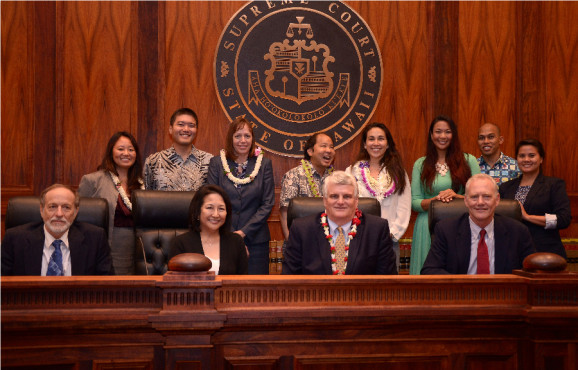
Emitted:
<point x="296" y="68"/>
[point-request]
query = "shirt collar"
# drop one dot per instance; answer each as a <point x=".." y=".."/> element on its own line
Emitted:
<point x="333" y="227"/>
<point x="49" y="239"/>
<point x="475" y="229"/>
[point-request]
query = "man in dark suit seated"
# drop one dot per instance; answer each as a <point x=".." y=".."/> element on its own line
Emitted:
<point x="58" y="246"/>
<point x="340" y="240"/>
<point x="479" y="242"/>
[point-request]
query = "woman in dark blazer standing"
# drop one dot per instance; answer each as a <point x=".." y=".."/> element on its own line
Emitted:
<point x="247" y="177"/>
<point x="210" y="222"/>
<point x="544" y="201"/>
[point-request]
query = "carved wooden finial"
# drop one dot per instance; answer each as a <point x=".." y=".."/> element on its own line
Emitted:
<point x="544" y="262"/>
<point x="190" y="262"/>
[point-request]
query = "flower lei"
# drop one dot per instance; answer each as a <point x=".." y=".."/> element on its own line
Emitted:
<point x="309" y="174"/>
<point x="245" y="180"/>
<point x="390" y="184"/>
<point x="354" y="222"/>
<point x="121" y="191"/>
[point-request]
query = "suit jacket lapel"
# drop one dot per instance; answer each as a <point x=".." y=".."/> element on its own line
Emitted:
<point x="501" y="244"/>
<point x="35" y="249"/>
<point x="77" y="252"/>
<point x="354" y="247"/>
<point x="324" y="249"/>
<point x="464" y="244"/>
<point x="534" y="191"/>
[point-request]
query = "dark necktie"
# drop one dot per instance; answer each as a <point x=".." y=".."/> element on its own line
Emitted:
<point x="55" y="264"/>
<point x="340" y="251"/>
<point x="483" y="256"/>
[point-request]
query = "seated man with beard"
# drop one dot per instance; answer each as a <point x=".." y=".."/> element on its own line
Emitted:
<point x="58" y="246"/>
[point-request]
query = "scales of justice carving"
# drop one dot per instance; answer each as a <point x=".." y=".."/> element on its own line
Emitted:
<point x="299" y="72"/>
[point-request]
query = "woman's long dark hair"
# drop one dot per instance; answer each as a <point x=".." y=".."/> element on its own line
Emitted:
<point x="134" y="172"/>
<point x="391" y="158"/>
<point x="460" y="170"/>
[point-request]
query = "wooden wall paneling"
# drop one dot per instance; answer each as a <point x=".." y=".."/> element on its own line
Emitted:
<point x="487" y="70"/>
<point x="151" y="122"/>
<point x="443" y="62"/>
<point x="18" y="118"/>
<point x="531" y="70"/>
<point x="560" y="133"/>
<point x="401" y="28"/>
<point x="98" y="81"/>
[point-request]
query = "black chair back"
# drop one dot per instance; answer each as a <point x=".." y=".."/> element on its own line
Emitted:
<point x="25" y="209"/>
<point x="305" y="206"/>
<point x="158" y="216"/>
<point x="439" y="210"/>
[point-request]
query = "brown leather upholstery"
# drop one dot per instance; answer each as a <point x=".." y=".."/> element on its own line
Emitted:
<point x="305" y="206"/>
<point x="158" y="216"/>
<point x="439" y="210"/>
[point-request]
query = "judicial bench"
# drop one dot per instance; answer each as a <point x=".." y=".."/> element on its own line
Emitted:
<point x="199" y="321"/>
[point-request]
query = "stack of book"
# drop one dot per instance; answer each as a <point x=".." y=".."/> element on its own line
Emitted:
<point x="275" y="257"/>
<point x="571" y="246"/>
<point x="404" y="255"/>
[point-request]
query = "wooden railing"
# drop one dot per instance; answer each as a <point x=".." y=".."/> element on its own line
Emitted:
<point x="188" y="321"/>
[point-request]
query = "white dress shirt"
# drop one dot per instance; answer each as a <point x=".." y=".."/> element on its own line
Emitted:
<point x="490" y="242"/>
<point x="49" y="249"/>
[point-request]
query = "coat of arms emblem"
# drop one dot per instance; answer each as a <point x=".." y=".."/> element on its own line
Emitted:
<point x="294" y="69"/>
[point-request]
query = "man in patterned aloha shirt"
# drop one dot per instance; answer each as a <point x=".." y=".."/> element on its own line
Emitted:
<point x="493" y="162"/>
<point x="182" y="167"/>
<point x="306" y="179"/>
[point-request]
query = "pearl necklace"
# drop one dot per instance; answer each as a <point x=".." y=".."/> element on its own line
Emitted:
<point x="354" y="222"/>
<point x="121" y="191"/>
<point x="307" y="168"/>
<point x="237" y="180"/>
<point x="384" y="183"/>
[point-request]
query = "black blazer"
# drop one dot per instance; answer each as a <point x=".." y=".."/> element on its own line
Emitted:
<point x="370" y="251"/>
<point x="233" y="255"/>
<point x="252" y="203"/>
<point x="547" y="195"/>
<point x="450" y="249"/>
<point x="23" y="246"/>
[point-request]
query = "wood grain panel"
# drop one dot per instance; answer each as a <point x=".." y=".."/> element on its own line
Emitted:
<point x="487" y="71"/>
<point x="99" y="82"/>
<point x="561" y="56"/>
<point x="17" y="97"/>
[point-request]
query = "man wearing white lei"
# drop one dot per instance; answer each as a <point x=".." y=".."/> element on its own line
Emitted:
<point x="341" y="240"/>
<point x="380" y="174"/>
<point x="306" y="179"/>
<point x="247" y="178"/>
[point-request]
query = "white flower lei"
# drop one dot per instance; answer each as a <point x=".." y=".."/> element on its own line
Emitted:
<point x="237" y="180"/>
<point x="121" y="191"/>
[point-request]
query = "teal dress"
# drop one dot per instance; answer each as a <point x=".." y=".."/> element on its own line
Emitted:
<point x="421" y="238"/>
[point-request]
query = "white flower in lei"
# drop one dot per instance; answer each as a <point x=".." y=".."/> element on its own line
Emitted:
<point x="237" y="180"/>
<point x="121" y="191"/>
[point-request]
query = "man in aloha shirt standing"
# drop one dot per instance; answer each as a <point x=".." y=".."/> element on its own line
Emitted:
<point x="493" y="162"/>
<point x="182" y="167"/>
<point x="306" y="179"/>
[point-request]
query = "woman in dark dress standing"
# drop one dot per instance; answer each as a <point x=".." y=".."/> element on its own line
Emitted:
<point x="544" y="200"/>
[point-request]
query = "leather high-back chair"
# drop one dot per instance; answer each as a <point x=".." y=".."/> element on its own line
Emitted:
<point x="439" y="210"/>
<point x="305" y="206"/>
<point x="25" y="209"/>
<point x="158" y="216"/>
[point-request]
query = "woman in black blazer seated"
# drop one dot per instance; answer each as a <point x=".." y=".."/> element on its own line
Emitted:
<point x="544" y="201"/>
<point x="210" y="222"/>
<point x="247" y="177"/>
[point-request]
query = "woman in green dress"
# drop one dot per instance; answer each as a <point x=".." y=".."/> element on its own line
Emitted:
<point x="442" y="174"/>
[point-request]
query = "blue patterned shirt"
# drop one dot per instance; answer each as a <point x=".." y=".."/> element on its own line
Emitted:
<point x="505" y="168"/>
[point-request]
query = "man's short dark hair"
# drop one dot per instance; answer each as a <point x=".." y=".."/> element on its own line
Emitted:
<point x="187" y="111"/>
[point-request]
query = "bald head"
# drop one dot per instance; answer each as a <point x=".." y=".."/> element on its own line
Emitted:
<point x="489" y="141"/>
